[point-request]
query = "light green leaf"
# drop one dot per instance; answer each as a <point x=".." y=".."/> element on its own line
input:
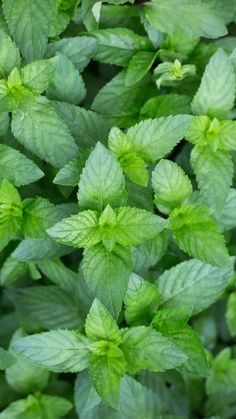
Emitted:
<point x="17" y="168"/>
<point x="138" y="66"/>
<point x="78" y="49"/>
<point x="9" y="55"/>
<point x="35" y="124"/>
<point x="225" y="9"/>
<point x="171" y="186"/>
<point x="198" y="235"/>
<point x="69" y="174"/>
<point x="107" y="273"/>
<point x="214" y="173"/>
<point x="102" y="181"/>
<point x="135" y="225"/>
<point x="154" y="138"/>
<point x="80" y="230"/>
<point x="216" y="94"/>
<point x="37" y="75"/>
<point x="10" y="212"/>
<point x="132" y="164"/>
<point x="192" y="284"/>
<point x="143" y="347"/>
<point x="46" y="307"/>
<point x="100" y="325"/>
<point x="38" y="215"/>
<point x="55" y="270"/>
<point x="117" y="45"/>
<point x="231" y="313"/>
<point x="106" y="373"/>
<point x="29" y="24"/>
<point x="58" y="351"/>
<point x="6" y="359"/>
<point x="141" y="299"/>
<point x="201" y="20"/>
<point x="67" y="84"/>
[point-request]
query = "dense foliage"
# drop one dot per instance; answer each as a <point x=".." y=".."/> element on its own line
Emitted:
<point x="117" y="209"/>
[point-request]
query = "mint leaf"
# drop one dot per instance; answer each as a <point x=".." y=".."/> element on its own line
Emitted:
<point x="29" y="24"/>
<point x="141" y="299"/>
<point x="189" y="224"/>
<point x="17" y="168"/>
<point x="34" y="124"/>
<point x="230" y="314"/>
<point x="201" y="19"/>
<point x="148" y="254"/>
<point x="102" y="181"/>
<point x="143" y="347"/>
<point x="138" y="66"/>
<point x="58" y="351"/>
<point x="214" y="173"/>
<point x="164" y="105"/>
<point x="216" y="94"/>
<point x="10" y="212"/>
<point x="9" y="55"/>
<point x="154" y="138"/>
<point x="192" y="283"/>
<point x="100" y="325"/>
<point x="106" y="274"/>
<point x="6" y="359"/>
<point x="171" y="186"/>
<point x="80" y="230"/>
<point x="67" y="84"/>
<point x="37" y="75"/>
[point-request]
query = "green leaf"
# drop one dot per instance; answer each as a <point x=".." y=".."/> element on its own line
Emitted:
<point x="80" y="230"/>
<point x="37" y="76"/>
<point x="106" y="373"/>
<point x="141" y="299"/>
<point x="148" y="254"/>
<point x="227" y="218"/>
<point x="86" y="126"/>
<point x="143" y="347"/>
<point x="200" y="20"/>
<point x="38" y="215"/>
<point x="11" y="271"/>
<point x="117" y="45"/>
<point x="230" y="313"/>
<point x="69" y="174"/>
<point x="198" y="235"/>
<point x="58" y="351"/>
<point x="9" y="55"/>
<point x="59" y="274"/>
<point x="135" y="226"/>
<point x="29" y="24"/>
<point x="6" y="359"/>
<point x="171" y="186"/>
<point x="192" y="284"/>
<point x="17" y="168"/>
<point x="10" y="212"/>
<point x="107" y="273"/>
<point x="121" y="103"/>
<point x="164" y="105"/>
<point x="102" y="181"/>
<point x="138" y="66"/>
<point x="46" y="307"/>
<point x="78" y="49"/>
<point x="100" y="325"/>
<point x="216" y="94"/>
<point x="154" y="138"/>
<point x="34" y="124"/>
<point x="67" y="84"/>
<point x="24" y="375"/>
<point x="214" y="173"/>
<point x="31" y="249"/>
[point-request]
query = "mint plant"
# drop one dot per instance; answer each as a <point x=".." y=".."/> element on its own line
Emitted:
<point x="117" y="209"/>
